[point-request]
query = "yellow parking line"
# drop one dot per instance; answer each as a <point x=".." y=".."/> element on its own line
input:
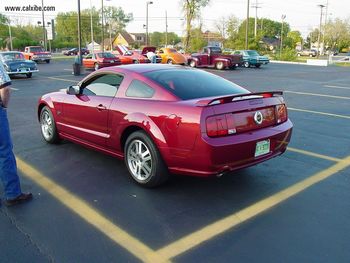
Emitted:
<point x="321" y="113"/>
<point x="69" y="80"/>
<point x="90" y="215"/>
<point x="321" y="156"/>
<point x="318" y="95"/>
<point x="206" y="233"/>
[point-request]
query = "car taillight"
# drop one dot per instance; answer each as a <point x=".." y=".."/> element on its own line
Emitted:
<point x="220" y="125"/>
<point x="281" y="113"/>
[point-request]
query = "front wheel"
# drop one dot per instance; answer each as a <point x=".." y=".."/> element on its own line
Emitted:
<point x="246" y="64"/>
<point x="143" y="160"/>
<point x="48" y="126"/>
<point x="96" y="66"/>
<point x="29" y="75"/>
<point x="169" y="61"/>
<point x="220" y="65"/>
<point x="192" y="64"/>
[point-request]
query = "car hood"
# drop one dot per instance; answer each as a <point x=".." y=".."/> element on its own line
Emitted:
<point x="19" y="63"/>
<point x="145" y="50"/>
<point x="41" y="53"/>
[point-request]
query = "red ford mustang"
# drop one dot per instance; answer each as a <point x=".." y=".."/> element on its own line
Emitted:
<point x="165" y="118"/>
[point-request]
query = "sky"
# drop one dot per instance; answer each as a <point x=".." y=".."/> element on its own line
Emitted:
<point x="302" y="15"/>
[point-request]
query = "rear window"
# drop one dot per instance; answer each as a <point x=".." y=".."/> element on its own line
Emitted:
<point x="192" y="84"/>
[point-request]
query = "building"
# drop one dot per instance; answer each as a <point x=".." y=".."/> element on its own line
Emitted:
<point x="214" y="39"/>
<point x="131" y="40"/>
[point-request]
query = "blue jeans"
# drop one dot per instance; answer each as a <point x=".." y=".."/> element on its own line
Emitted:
<point x="8" y="167"/>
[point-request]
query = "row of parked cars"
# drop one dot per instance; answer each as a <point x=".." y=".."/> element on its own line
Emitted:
<point x="210" y="57"/>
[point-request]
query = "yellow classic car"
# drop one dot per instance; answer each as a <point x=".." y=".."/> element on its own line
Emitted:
<point x="171" y="56"/>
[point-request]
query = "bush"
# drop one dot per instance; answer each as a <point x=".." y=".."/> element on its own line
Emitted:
<point x="288" y="54"/>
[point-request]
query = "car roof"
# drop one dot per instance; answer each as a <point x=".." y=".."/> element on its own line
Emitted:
<point x="9" y="52"/>
<point x="143" y="68"/>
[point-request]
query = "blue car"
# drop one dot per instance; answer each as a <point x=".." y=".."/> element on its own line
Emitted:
<point x="252" y="58"/>
<point x="15" y="63"/>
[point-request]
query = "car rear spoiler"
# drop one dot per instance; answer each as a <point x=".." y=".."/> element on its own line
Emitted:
<point x="238" y="97"/>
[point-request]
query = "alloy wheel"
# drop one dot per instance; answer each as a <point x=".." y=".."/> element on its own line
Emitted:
<point x="139" y="160"/>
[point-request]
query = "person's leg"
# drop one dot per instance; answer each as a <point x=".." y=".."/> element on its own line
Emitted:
<point x="8" y="167"/>
<point x="154" y="59"/>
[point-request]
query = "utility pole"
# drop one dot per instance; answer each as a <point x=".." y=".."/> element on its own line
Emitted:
<point x="92" y="29"/>
<point x="319" y="31"/>
<point x="44" y="29"/>
<point x="166" y="28"/>
<point x="103" y="28"/>
<point x="247" y="26"/>
<point x="147" y="3"/>
<point x="79" y="34"/>
<point x="10" y="34"/>
<point x="324" y="27"/>
<point x="256" y="6"/>
<point x="281" y="47"/>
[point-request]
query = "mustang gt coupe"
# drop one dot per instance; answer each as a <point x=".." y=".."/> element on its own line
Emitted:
<point x="15" y="63"/>
<point x="164" y="119"/>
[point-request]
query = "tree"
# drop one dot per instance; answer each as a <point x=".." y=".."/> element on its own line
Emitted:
<point x="197" y="42"/>
<point x="117" y="18"/>
<point x="232" y="26"/>
<point x="191" y="9"/>
<point x="158" y="38"/>
<point x="337" y="34"/>
<point x="293" y="38"/>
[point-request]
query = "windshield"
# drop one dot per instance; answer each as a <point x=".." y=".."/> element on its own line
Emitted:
<point x="36" y="49"/>
<point x="252" y="53"/>
<point x="171" y="50"/>
<point x="215" y="50"/>
<point x="12" y="56"/>
<point x="192" y="84"/>
<point x="105" y="55"/>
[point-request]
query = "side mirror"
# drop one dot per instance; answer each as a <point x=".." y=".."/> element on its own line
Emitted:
<point x="73" y="90"/>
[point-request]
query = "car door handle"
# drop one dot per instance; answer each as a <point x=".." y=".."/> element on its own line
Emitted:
<point x="101" y="107"/>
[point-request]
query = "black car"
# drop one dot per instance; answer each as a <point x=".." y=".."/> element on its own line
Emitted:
<point x="74" y="52"/>
<point x="15" y="63"/>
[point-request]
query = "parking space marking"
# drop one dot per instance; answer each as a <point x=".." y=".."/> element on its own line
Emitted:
<point x="69" y="80"/>
<point x="317" y="155"/>
<point x="90" y="215"/>
<point x="321" y="113"/>
<point x="14" y="88"/>
<point x="336" y="87"/>
<point x="219" y="227"/>
<point x="316" y="94"/>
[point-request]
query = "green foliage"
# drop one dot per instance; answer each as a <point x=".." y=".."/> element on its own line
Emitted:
<point x="117" y="18"/>
<point x="158" y="39"/>
<point x="293" y="38"/>
<point x="197" y="42"/>
<point x="288" y="54"/>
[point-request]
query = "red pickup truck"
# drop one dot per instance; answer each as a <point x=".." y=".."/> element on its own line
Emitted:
<point x="213" y="57"/>
<point x="37" y="53"/>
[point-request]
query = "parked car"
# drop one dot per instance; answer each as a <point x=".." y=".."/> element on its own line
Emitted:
<point x="100" y="60"/>
<point x="213" y="57"/>
<point x="128" y="56"/>
<point x="171" y="56"/>
<point x="74" y="52"/>
<point x="252" y="58"/>
<point x="37" y="53"/>
<point x="15" y="63"/>
<point x="167" y="118"/>
<point x="147" y="49"/>
<point x="307" y="52"/>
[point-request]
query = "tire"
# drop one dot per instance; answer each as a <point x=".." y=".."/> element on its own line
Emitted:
<point x="193" y="64"/>
<point x="29" y="75"/>
<point x="233" y="66"/>
<point x="96" y="66"/>
<point x="219" y="65"/>
<point x="257" y="65"/>
<point x="149" y="170"/>
<point x="48" y="126"/>
<point x="246" y="64"/>
<point x="170" y="61"/>
<point x="47" y="61"/>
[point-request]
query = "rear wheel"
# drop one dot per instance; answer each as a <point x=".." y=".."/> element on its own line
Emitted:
<point x="246" y="64"/>
<point x="220" y="65"/>
<point x="169" y="61"/>
<point x="143" y="160"/>
<point x="193" y="64"/>
<point x="47" y="61"/>
<point x="29" y="75"/>
<point x="96" y="66"/>
<point x="48" y="126"/>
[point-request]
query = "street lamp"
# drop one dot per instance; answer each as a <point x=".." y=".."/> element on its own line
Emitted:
<point x="319" y="32"/>
<point x="43" y="23"/>
<point x="10" y="34"/>
<point x="247" y="26"/>
<point x="147" y="3"/>
<point x="281" y="47"/>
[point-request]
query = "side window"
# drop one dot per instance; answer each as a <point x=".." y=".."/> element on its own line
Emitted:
<point x="205" y="50"/>
<point x="161" y="51"/>
<point x="88" y="56"/>
<point x="139" y="89"/>
<point x="105" y="85"/>
<point x="237" y="53"/>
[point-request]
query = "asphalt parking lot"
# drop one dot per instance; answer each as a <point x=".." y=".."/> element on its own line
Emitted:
<point x="293" y="208"/>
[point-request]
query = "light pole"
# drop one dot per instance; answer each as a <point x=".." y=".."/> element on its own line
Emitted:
<point x="79" y="34"/>
<point x="92" y="30"/>
<point x="166" y="28"/>
<point x="43" y="23"/>
<point x="281" y="47"/>
<point x="319" y="31"/>
<point x="147" y="3"/>
<point x="10" y="34"/>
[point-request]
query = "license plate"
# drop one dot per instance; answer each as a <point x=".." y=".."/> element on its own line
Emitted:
<point x="112" y="61"/>
<point x="22" y="69"/>
<point x="262" y="147"/>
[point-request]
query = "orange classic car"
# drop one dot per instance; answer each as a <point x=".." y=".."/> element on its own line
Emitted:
<point x="171" y="56"/>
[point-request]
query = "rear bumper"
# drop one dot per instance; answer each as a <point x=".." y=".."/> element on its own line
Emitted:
<point x="212" y="156"/>
<point x="104" y="65"/>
